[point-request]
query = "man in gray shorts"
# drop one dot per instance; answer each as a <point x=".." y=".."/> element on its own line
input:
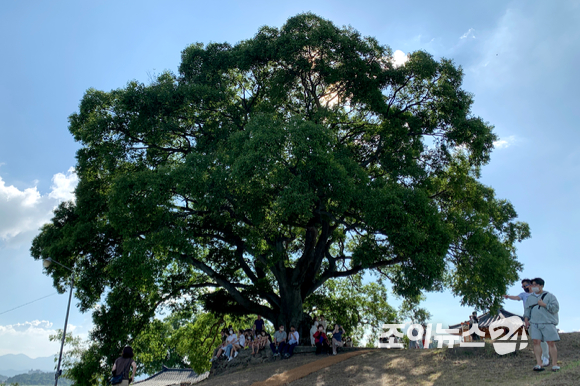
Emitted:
<point x="541" y="316"/>
<point x="526" y="285"/>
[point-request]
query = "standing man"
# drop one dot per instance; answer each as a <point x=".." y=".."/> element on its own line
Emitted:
<point x="526" y="284"/>
<point x="541" y="314"/>
<point x="258" y="326"/>
<point x="279" y="341"/>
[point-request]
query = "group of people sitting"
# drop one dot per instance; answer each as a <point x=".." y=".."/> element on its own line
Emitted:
<point x="257" y="338"/>
<point x="327" y="342"/>
<point x="282" y="343"/>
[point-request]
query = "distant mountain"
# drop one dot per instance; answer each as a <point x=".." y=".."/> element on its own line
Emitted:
<point x="11" y="364"/>
<point x="10" y="373"/>
<point x="3" y="378"/>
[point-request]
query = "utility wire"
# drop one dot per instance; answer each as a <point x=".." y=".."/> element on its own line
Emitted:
<point x="25" y="304"/>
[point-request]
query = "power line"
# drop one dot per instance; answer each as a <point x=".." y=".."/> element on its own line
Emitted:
<point x="25" y="304"/>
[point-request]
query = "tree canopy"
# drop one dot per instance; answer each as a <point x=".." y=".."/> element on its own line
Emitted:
<point x="260" y="171"/>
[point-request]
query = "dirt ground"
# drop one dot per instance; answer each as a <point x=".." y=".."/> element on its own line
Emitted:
<point x="424" y="367"/>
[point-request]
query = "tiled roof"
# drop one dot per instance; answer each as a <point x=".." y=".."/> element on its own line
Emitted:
<point x="486" y="319"/>
<point x="170" y="377"/>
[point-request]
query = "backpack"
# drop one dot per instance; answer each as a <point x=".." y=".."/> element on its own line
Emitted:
<point x="542" y="298"/>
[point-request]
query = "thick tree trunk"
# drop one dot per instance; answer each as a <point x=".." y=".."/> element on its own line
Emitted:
<point x="304" y="330"/>
<point x="291" y="313"/>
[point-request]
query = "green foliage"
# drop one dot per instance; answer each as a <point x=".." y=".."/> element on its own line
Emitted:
<point x="261" y="171"/>
<point x="181" y="341"/>
<point x="74" y="347"/>
<point x="359" y="308"/>
<point x="410" y="311"/>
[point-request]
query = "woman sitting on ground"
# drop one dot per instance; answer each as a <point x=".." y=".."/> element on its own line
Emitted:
<point x="337" y="338"/>
<point x="255" y="344"/>
<point x="239" y="343"/>
<point x="259" y="342"/>
<point x="321" y="341"/>
<point x="242" y="339"/>
<point x="231" y="340"/>
<point x="249" y="339"/>
<point x="267" y="339"/>
<point x="222" y="347"/>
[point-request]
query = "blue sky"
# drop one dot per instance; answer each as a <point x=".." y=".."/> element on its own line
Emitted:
<point x="519" y="60"/>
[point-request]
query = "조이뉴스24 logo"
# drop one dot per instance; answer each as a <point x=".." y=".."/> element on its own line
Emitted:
<point x="508" y="343"/>
<point x="503" y="342"/>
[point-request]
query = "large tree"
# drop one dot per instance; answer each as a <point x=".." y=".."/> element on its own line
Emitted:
<point x="263" y="169"/>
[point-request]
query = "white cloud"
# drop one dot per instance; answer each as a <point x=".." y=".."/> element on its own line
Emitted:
<point x="504" y="143"/>
<point x="23" y="212"/>
<point x="64" y="185"/>
<point x="30" y="338"/>
<point x="469" y="33"/>
<point x="399" y="58"/>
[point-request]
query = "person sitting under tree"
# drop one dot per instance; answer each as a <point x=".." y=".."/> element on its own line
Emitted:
<point x="279" y="341"/>
<point x="239" y="343"/>
<point x="320" y="340"/>
<point x="337" y="338"/>
<point x="293" y="340"/>
<point x="249" y="341"/>
<point x="222" y="346"/>
<point x="256" y="343"/>
<point x="231" y="339"/>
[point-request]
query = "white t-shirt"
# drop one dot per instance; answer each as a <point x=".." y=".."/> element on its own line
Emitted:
<point x="231" y="338"/>
<point x="294" y="335"/>
<point x="524" y="297"/>
<point x="242" y="341"/>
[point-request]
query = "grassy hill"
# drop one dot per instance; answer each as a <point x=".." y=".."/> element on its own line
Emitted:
<point x="436" y="367"/>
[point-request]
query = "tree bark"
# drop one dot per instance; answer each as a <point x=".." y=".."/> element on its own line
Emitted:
<point x="291" y="313"/>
